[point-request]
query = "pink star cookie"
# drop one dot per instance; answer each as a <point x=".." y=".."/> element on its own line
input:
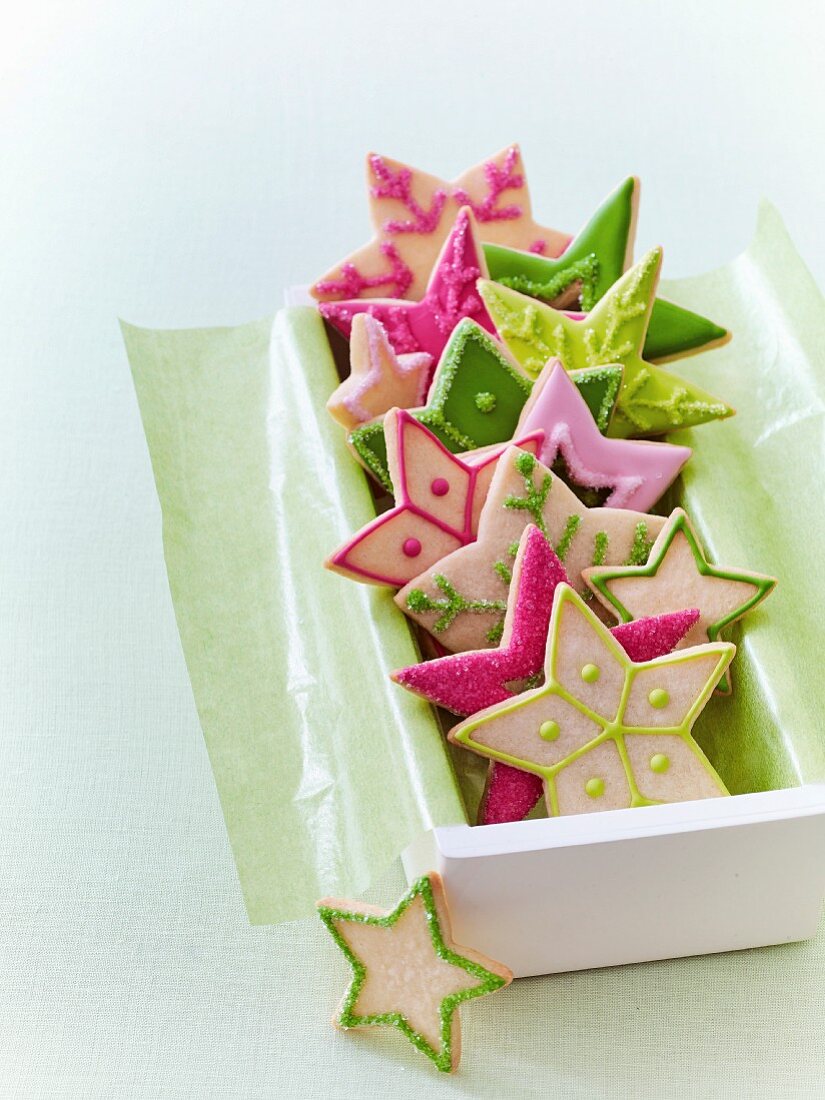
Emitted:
<point x="379" y="379"/>
<point x="438" y="497"/>
<point x="450" y="296"/>
<point x="466" y="683"/>
<point x="411" y="212"/>
<point x="637" y="471"/>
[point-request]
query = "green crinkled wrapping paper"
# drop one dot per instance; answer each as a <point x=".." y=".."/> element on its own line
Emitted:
<point x="325" y="769"/>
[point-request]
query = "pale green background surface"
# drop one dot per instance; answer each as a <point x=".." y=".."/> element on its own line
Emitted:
<point x="153" y="158"/>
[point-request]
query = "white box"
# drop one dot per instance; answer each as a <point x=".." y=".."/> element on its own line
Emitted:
<point x="623" y="886"/>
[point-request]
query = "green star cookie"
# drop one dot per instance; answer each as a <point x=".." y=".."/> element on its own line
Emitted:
<point x="590" y="265"/>
<point x="651" y="401"/>
<point x="476" y="398"/>
<point x="605" y="732"/>
<point x="408" y="972"/>
<point x="678" y="569"/>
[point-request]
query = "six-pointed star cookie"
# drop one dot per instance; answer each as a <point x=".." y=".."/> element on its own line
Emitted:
<point x="605" y="732"/>
<point x="379" y="379"/>
<point x="589" y="266"/>
<point x="462" y="599"/>
<point x="438" y="499"/>
<point x="411" y="213"/>
<point x="450" y="296"/>
<point x="476" y="398"/>
<point x="651" y="400"/>
<point x="676" y="572"/>
<point x="636" y="472"/>
<point x="408" y="972"/>
<point x="465" y="683"/>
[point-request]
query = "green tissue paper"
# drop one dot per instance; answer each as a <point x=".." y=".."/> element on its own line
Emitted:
<point x="325" y="769"/>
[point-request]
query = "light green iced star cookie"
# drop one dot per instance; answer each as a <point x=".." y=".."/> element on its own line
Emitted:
<point x="651" y="400"/>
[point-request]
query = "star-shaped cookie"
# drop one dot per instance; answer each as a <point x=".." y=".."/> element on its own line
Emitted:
<point x="466" y="683"/>
<point x="605" y="732"/>
<point x="651" y="400"/>
<point x="677" y="571"/>
<point x="438" y="500"/>
<point x="462" y="599"/>
<point x="408" y="972"/>
<point x="379" y="379"/>
<point x="475" y="399"/>
<point x="636" y="472"/>
<point x="451" y="295"/>
<point x="589" y="266"/>
<point x="411" y="212"/>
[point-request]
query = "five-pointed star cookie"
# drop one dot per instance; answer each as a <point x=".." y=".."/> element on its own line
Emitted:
<point x="408" y="972"/>
<point x="466" y="683"/>
<point x="462" y="599"/>
<point x="589" y="266"/>
<point x="677" y="571"/>
<point x="636" y="472"/>
<point x="605" y="732"/>
<point x="651" y="401"/>
<point x="438" y="500"/>
<point x="476" y="398"/>
<point x="450" y="296"/>
<point x="411" y="212"/>
<point x="379" y="379"/>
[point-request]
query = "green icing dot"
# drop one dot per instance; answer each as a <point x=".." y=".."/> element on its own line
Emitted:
<point x="485" y="402"/>
<point x="659" y="763"/>
<point x="590" y="674"/>
<point x="658" y="698"/>
<point x="594" y="787"/>
<point x="549" y="731"/>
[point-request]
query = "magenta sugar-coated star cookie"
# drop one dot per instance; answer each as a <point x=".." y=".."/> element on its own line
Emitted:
<point x="438" y="498"/>
<point x="636" y="472"/>
<point x="451" y="295"/>
<point x="466" y="683"/>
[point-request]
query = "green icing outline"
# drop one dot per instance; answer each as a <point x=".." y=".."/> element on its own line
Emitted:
<point x="431" y="415"/>
<point x="596" y="258"/>
<point x="612" y="729"/>
<point x="347" y="1017"/>
<point x="679" y="522"/>
<point x="613" y="332"/>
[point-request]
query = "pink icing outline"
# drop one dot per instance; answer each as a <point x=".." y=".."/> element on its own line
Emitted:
<point x="468" y="682"/>
<point x="400" y="365"/>
<point x="451" y="295"/>
<point x="405" y="503"/>
<point x="638" y="471"/>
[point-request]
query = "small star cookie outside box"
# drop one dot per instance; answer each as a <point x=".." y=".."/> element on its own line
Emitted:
<point x="408" y="972"/>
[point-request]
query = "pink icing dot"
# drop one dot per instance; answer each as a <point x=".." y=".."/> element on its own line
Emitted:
<point x="412" y="548"/>
<point x="440" y="487"/>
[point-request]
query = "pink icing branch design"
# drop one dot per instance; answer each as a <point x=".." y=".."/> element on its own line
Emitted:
<point x="352" y="283"/>
<point x="499" y="180"/>
<point x="398" y="186"/>
<point x="539" y="247"/>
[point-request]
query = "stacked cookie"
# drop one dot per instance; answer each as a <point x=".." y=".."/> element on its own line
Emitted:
<point x="510" y="398"/>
